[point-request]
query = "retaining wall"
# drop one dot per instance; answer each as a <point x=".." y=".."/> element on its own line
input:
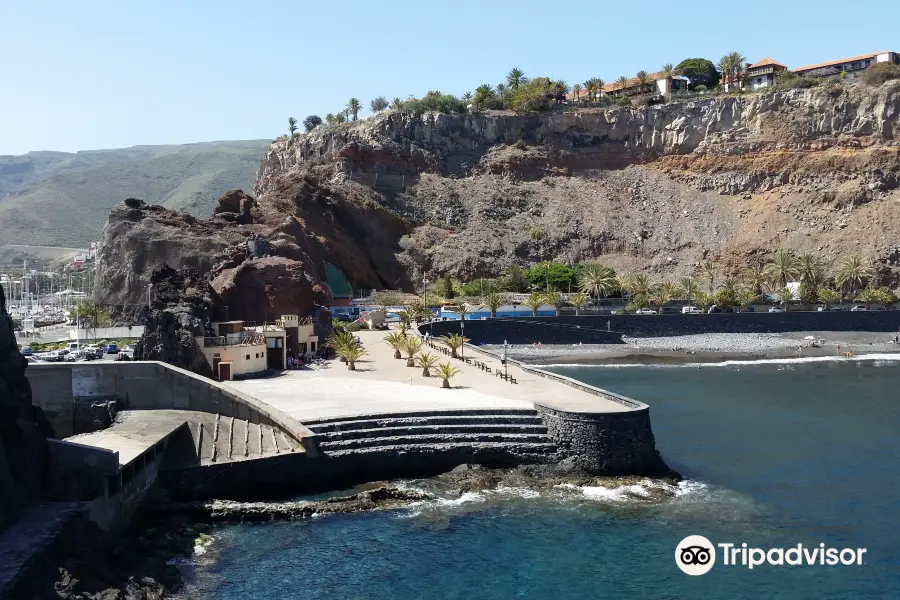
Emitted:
<point x="590" y="329"/>
<point x="147" y="386"/>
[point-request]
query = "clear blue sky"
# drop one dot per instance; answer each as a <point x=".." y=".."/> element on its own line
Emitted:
<point x="113" y="73"/>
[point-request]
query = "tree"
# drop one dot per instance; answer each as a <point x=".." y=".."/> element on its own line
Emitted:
<point x="635" y="285"/>
<point x="727" y="296"/>
<point x="353" y="107"/>
<point x="550" y="275"/>
<point x="446" y="372"/>
<point x="411" y="346"/>
<point x="591" y="88"/>
<point x="732" y="67"/>
<point x="642" y="78"/>
<point x="493" y="301"/>
<point x="699" y="71"/>
<point x="396" y="104"/>
<point x="667" y="71"/>
<point x="454" y="341"/>
<point x="756" y="277"/>
<point x="467" y="97"/>
<point x="340" y="117"/>
<point x="659" y="295"/>
<point x="427" y="361"/>
<point x="782" y="267"/>
<point x="405" y="321"/>
<point x="292" y="126"/>
<point x="785" y="296"/>
<point x="534" y="302"/>
<point x="329" y="119"/>
<point x="578" y="300"/>
<point x="311" y="122"/>
<point x="553" y="298"/>
<point x="746" y="297"/>
<point x="598" y="280"/>
<point x="378" y="104"/>
<point x="576" y="91"/>
<point x="514" y="279"/>
<point x="91" y="316"/>
<point x="515" y="78"/>
<point x="807" y="293"/>
<point x="396" y="341"/>
<point x="345" y="346"/>
<point x="828" y="296"/>
<point x="708" y="271"/>
<point x="462" y="310"/>
<point x="701" y="299"/>
<point x="622" y="82"/>
<point x="851" y="274"/>
<point x="688" y="287"/>
<point x="484" y="93"/>
<point x="443" y="287"/>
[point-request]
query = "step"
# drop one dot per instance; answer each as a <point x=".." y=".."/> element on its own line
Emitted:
<point x="268" y="440"/>
<point x="466" y="412"/>
<point x="239" y="439"/>
<point x="449" y="438"/>
<point x="529" y="418"/>
<point x="284" y="444"/>
<point x="527" y="449"/>
<point x="425" y="429"/>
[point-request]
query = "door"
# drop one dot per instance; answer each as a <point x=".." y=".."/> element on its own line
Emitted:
<point x="224" y="371"/>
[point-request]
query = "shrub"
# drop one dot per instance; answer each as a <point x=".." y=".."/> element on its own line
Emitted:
<point x="406" y="242"/>
<point x="881" y="72"/>
<point x="521" y="145"/>
<point x="536" y="233"/>
<point x="534" y="96"/>
<point x="623" y="101"/>
<point x="437" y="102"/>
<point x="796" y="83"/>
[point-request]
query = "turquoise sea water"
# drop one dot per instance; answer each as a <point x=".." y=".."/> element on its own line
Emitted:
<point x="773" y="454"/>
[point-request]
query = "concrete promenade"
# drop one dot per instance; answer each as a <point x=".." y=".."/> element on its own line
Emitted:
<point x="383" y="385"/>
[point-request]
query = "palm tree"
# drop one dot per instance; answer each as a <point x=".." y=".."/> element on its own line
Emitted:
<point x="576" y="91"/>
<point x="635" y="285"/>
<point x="851" y="274"/>
<point x="405" y="321"/>
<point x="688" y="287"/>
<point x="395" y="341"/>
<point x="756" y="277"/>
<point x="783" y="267"/>
<point x="578" y="300"/>
<point x="353" y="107"/>
<point x="659" y="295"/>
<point x="598" y="86"/>
<point x="667" y="71"/>
<point x="396" y="104"/>
<point x="642" y="78"/>
<point x="427" y="361"/>
<point x="829" y="296"/>
<point x="732" y="67"/>
<point x="515" y="78"/>
<point x="446" y="371"/>
<point x="292" y="126"/>
<point x="462" y="310"/>
<point x="467" y="97"/>
<point x="453" y="341"/>
<point x="597" y="280"/>
<point x="340" y="117"/>
<point x="622" y="82"/>
<point x="411" y="346"/>
<point x="493" y="301"/>
<point x="708" y="271"/>
<point x="345" y="346"/>
<point x="590" y="88"/>
<point x="701" y="299"/>
<point x="785" y="295"/>
<point x="553" y="298"/>
<point x="812" y="271"/>
<point x="534" y="302"/>
<point x="746" y="297"/>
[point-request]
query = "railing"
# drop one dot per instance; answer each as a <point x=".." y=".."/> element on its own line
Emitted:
<point x="245" y="338"/>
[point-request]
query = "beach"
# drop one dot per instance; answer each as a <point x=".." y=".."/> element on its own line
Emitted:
<point x="709" y="347"/>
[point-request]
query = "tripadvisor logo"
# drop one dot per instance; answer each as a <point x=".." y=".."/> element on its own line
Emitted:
<point x="696" y="555"/>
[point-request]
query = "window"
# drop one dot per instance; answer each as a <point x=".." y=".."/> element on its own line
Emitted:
<point x="759" y="80"/>
<point x="247" y="357"/>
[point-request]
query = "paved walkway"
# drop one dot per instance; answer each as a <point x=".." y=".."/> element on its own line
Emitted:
<point x="383" y="384"/>
<point x="134" y="433"/>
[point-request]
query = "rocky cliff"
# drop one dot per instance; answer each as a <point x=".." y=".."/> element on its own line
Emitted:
<point x="24" y="458"/>
<point x="644" y="189"/>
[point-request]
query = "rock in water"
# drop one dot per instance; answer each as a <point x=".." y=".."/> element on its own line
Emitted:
<point x="24" y="457"/>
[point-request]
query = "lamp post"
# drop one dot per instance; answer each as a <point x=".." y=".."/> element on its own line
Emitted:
<point x="505" y="345"/>
<point x="149" y="294"/>
<point x="462" y="331"/>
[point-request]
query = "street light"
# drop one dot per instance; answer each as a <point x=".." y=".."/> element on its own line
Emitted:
<point x="505" y="345"/>
<point x="149" y="294"/>
<point x="462" y="331"/>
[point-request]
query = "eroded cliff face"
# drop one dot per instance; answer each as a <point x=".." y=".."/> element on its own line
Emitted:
<point x="644" y="189"/>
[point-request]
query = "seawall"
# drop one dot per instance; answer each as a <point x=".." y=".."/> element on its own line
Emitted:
<point x="608" y="329"/>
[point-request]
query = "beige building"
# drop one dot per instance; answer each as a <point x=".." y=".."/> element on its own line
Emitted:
<point x="853" y="66"/>
<point x="234" y="351"/>
<point x="762" y="74"/>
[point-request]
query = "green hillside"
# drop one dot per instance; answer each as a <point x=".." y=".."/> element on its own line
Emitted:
<point x="63" y="199"/>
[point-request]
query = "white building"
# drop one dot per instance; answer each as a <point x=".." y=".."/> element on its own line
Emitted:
<point x="853" y="66"/>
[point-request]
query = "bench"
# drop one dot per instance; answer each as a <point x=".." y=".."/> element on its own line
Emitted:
<point x="513" y="380"/>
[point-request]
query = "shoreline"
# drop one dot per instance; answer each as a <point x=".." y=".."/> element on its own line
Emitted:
<point x="709" y="348"/>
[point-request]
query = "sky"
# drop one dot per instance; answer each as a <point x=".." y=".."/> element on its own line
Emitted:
<point x="115" y="73"/>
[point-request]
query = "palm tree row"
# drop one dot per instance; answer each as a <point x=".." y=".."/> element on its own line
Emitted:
<point x="346" y="347"/>
<point x="426" y="361"/>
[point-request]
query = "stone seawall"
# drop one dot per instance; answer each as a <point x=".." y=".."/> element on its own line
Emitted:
<point x="592" y="329"/>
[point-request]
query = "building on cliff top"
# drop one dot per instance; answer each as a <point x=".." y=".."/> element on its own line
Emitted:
<point x="853" y="66"/>
<point x="762" y="73"/>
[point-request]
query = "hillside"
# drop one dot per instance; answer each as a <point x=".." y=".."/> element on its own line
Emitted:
<point x="63" y="199"/>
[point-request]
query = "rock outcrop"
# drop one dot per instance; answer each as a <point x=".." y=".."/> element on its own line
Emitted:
<point x="24" y="457"/>
<point x="645" y="189"/>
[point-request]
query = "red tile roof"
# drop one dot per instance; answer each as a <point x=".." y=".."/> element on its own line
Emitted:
<point x="842" y="60"/>
<point x="765" y="62"/>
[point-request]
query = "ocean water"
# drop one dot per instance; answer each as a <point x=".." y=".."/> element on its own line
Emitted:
<point x="773" y="454"/>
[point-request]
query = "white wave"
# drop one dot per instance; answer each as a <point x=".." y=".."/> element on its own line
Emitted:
<point x="518" y="491"/>
<point x="647" y="489"/>
<point x="882" y="358"/>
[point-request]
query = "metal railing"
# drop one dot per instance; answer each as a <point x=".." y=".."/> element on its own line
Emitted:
<point x="244" y="338"/>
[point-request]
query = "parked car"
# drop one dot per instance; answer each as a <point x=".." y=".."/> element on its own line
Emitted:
<point x="71" y="357"/>
<point x="345" y="318"/>
<point x="645" y="311"/>
<point x="859" y="308"/>
<point x="26" y="351"/>
<point x="691" y="310"/>
<point x="95" y="349"/>
<point x="714" y="309"/>
<point x="775" y="309"/>
<point x="111" y="349"/>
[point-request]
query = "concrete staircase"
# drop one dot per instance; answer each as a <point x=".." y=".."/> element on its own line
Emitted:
<point x="226" y="439"/>
<point x="519" y="431"/>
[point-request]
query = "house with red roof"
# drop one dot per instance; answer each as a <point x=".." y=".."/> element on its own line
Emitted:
<point x="853" y="66"/>
<point x="762" y="73"/>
